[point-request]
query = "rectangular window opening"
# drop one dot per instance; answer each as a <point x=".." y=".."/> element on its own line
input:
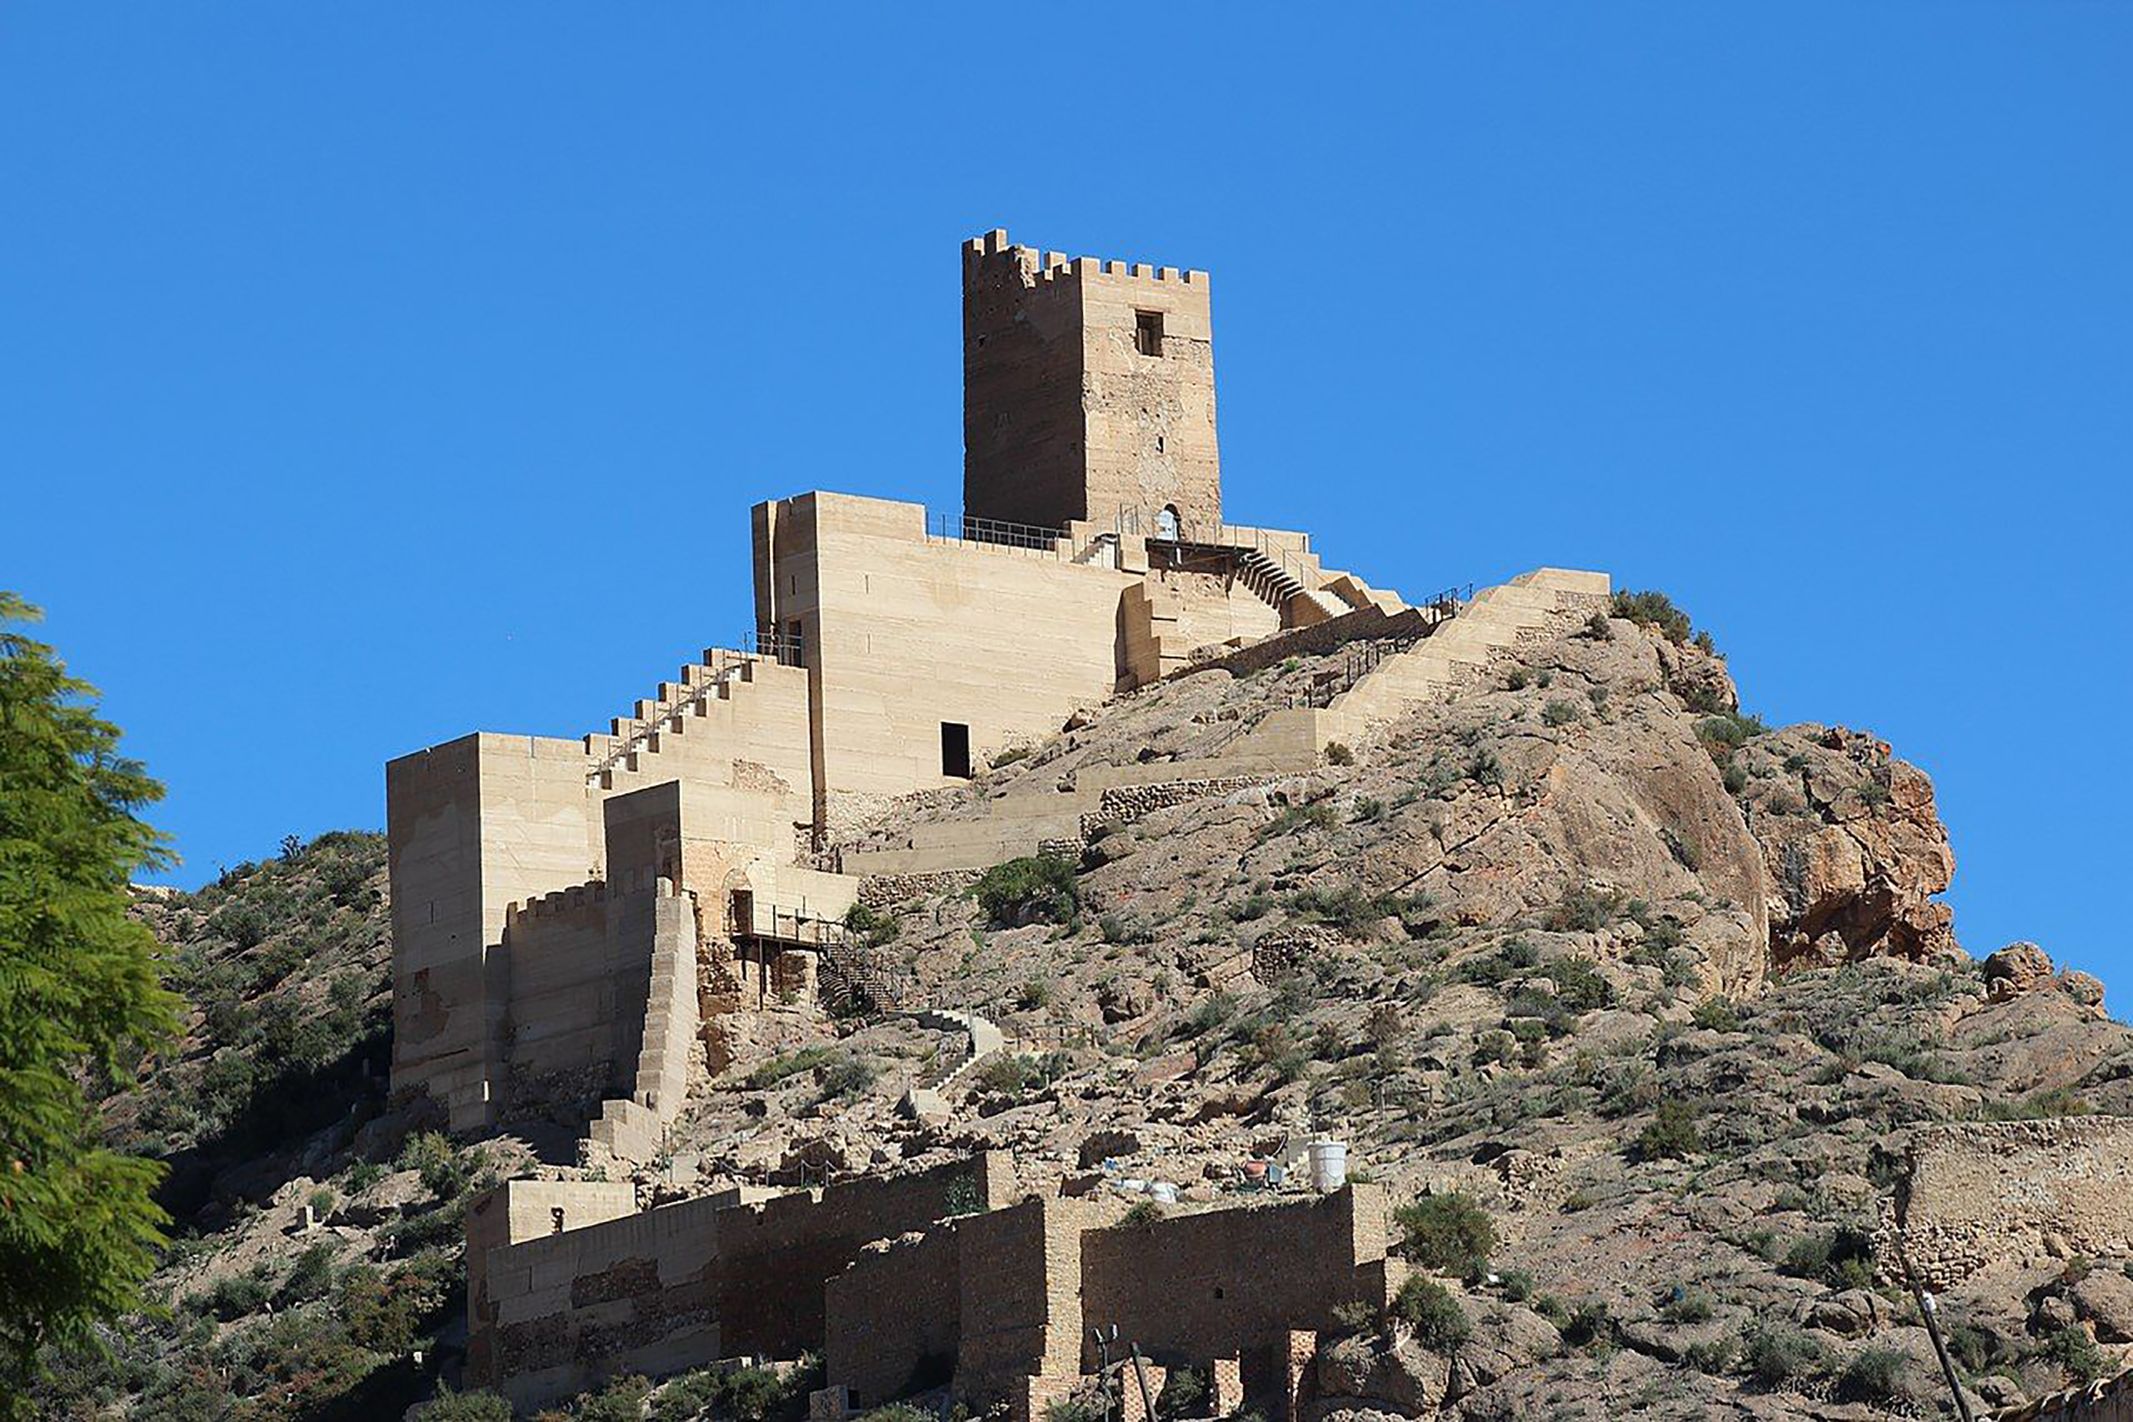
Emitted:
<point x="1148" y="332"/>
<point x="955" y="750"/>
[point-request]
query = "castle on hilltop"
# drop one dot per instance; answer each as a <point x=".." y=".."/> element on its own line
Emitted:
<point x="572" y="916"/>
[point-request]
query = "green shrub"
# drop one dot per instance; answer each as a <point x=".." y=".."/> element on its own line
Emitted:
<point x="1431" y="1314"/>
<point x="1448" y="1232"/>
<point x="1777" y="1353"/>
<point x="1033" y="889"/>
<point x="1124" y="929"/>
<point x="1686" y="1305"/>
<point x="780" y="1069"/>
<point x="1579" y="987"/>
<point x="1338" y="754"/>
<point x="1842" y="1258"/>
<point x="1671" y="1134"/>
<point x="1073" y="1409"/>
<point x="432" y="1154"/>
<point x="1589" y="1323"/>
<point x="450" y="1406"/>
<point x="309" y="1278"/>
<point x="620" y="1401"/>
<point x="1143" y="1214"/>
<point x="1716" y="1014"/>
<point x="1585" y="909"/>
<point x="846" y="1077"/>
<point x="2072" y="1349"/>
<point x="1872" y="1375"/>
<point x="1654" y="610"/>
<point x="1560" y="713"/>
<point x="1036" y="995"/>
<point x="1368" y="810"/>
<point x="1599" y="629"/>
<point x="1253" y="905"/>
<point x="1184" y="1390"/>
<point x="870" y="925"/>
<point x="1727" y="732"/>
<point x="235" y="1296"/>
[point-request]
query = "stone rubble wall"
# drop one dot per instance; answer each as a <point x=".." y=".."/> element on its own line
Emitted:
<point x="692" y="1282"/>
<point x="1987" y="1193"/>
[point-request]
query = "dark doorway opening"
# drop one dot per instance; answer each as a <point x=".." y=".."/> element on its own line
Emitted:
<point x="955" y="750"/>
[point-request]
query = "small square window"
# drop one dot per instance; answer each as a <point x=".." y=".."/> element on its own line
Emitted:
<point x="1148" y="332"/>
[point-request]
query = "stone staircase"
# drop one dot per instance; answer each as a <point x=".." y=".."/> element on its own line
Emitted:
<point x="718" y="677"/>
<point x="930" y="1103"/>
<point x="633" y="1128"/>
<point x="1529" y="608"/>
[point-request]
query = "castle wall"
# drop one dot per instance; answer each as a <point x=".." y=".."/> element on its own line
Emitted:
<point x="689" y="1283"/>
<point x="2011" y="1191"/>
<point x="577" y="971"/>
<point x="1204" y="1285"/>
<point x="753" y="740"/>
<point x="893" y="1321"/>
<point x="903" y="632"/>
<point x="472" y="826"/>
<point x="520" y="1210"/>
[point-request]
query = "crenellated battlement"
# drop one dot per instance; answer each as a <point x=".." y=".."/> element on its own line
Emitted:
<point x="1039" y="267"/>
<point x="561" y="901"/>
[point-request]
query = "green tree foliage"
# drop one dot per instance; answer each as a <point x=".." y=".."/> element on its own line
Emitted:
<point x="1448" y="1232"/>
<point x="79" y="1003"/>
<point x="1033" y="889"/>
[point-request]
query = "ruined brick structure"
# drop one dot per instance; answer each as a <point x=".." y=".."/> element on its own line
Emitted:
<point x="935" y="1279"/>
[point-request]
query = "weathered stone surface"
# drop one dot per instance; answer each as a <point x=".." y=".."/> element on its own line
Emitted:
<point x="1853" y="847"/>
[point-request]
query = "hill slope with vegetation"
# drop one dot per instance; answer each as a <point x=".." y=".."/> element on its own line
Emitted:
<point x="1638" y="1001"/>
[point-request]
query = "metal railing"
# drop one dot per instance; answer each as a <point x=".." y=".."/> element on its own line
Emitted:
<point x="1360" y="659"/>
<point x="999" y="532"/>
<point x="782" y="925"/>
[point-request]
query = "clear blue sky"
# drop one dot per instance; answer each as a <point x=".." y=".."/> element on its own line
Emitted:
<point x="374" y="373"/>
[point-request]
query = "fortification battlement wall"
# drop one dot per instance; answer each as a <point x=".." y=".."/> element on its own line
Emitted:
<point x="1036" y="266"/>
<point x="2010" y="1191"/>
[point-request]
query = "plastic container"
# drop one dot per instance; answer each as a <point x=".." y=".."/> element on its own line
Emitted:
<point x="1329" y="1165"/>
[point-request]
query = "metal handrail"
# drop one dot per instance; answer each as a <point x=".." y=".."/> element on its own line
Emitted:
<point x="999" y="532"/>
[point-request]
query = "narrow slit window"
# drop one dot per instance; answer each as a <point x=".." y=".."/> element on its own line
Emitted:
<point x="1148" y="332"/>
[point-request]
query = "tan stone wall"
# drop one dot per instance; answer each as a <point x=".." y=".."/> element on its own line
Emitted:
<point x="2016" y="1190"/>
<point x="576" y="970"/>
<point x="520" y="1210"/>
<point x="472" y="827"/>
<point x="893" y="1322"/>
<point x="754" y="739"/>
<point x="688" y="1283"/>
<point x="903" y="632"/>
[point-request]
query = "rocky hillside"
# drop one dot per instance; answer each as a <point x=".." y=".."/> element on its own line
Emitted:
<point x="1660" y="991"/>
<point x="1643" y="999"/>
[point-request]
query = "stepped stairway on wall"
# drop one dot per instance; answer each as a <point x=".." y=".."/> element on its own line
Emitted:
<point x="633" y="1128"/>
<point x="1455" y="655"/>
<point x="633" y="742"/>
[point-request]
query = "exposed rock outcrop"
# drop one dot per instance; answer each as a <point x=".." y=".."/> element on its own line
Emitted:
<point x="1854" y="850"/>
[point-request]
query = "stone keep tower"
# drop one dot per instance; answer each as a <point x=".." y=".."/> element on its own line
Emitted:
<point x="1088" y="392"/>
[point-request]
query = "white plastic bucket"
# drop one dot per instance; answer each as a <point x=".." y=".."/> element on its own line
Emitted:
<point x="1329" y="1165"/>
